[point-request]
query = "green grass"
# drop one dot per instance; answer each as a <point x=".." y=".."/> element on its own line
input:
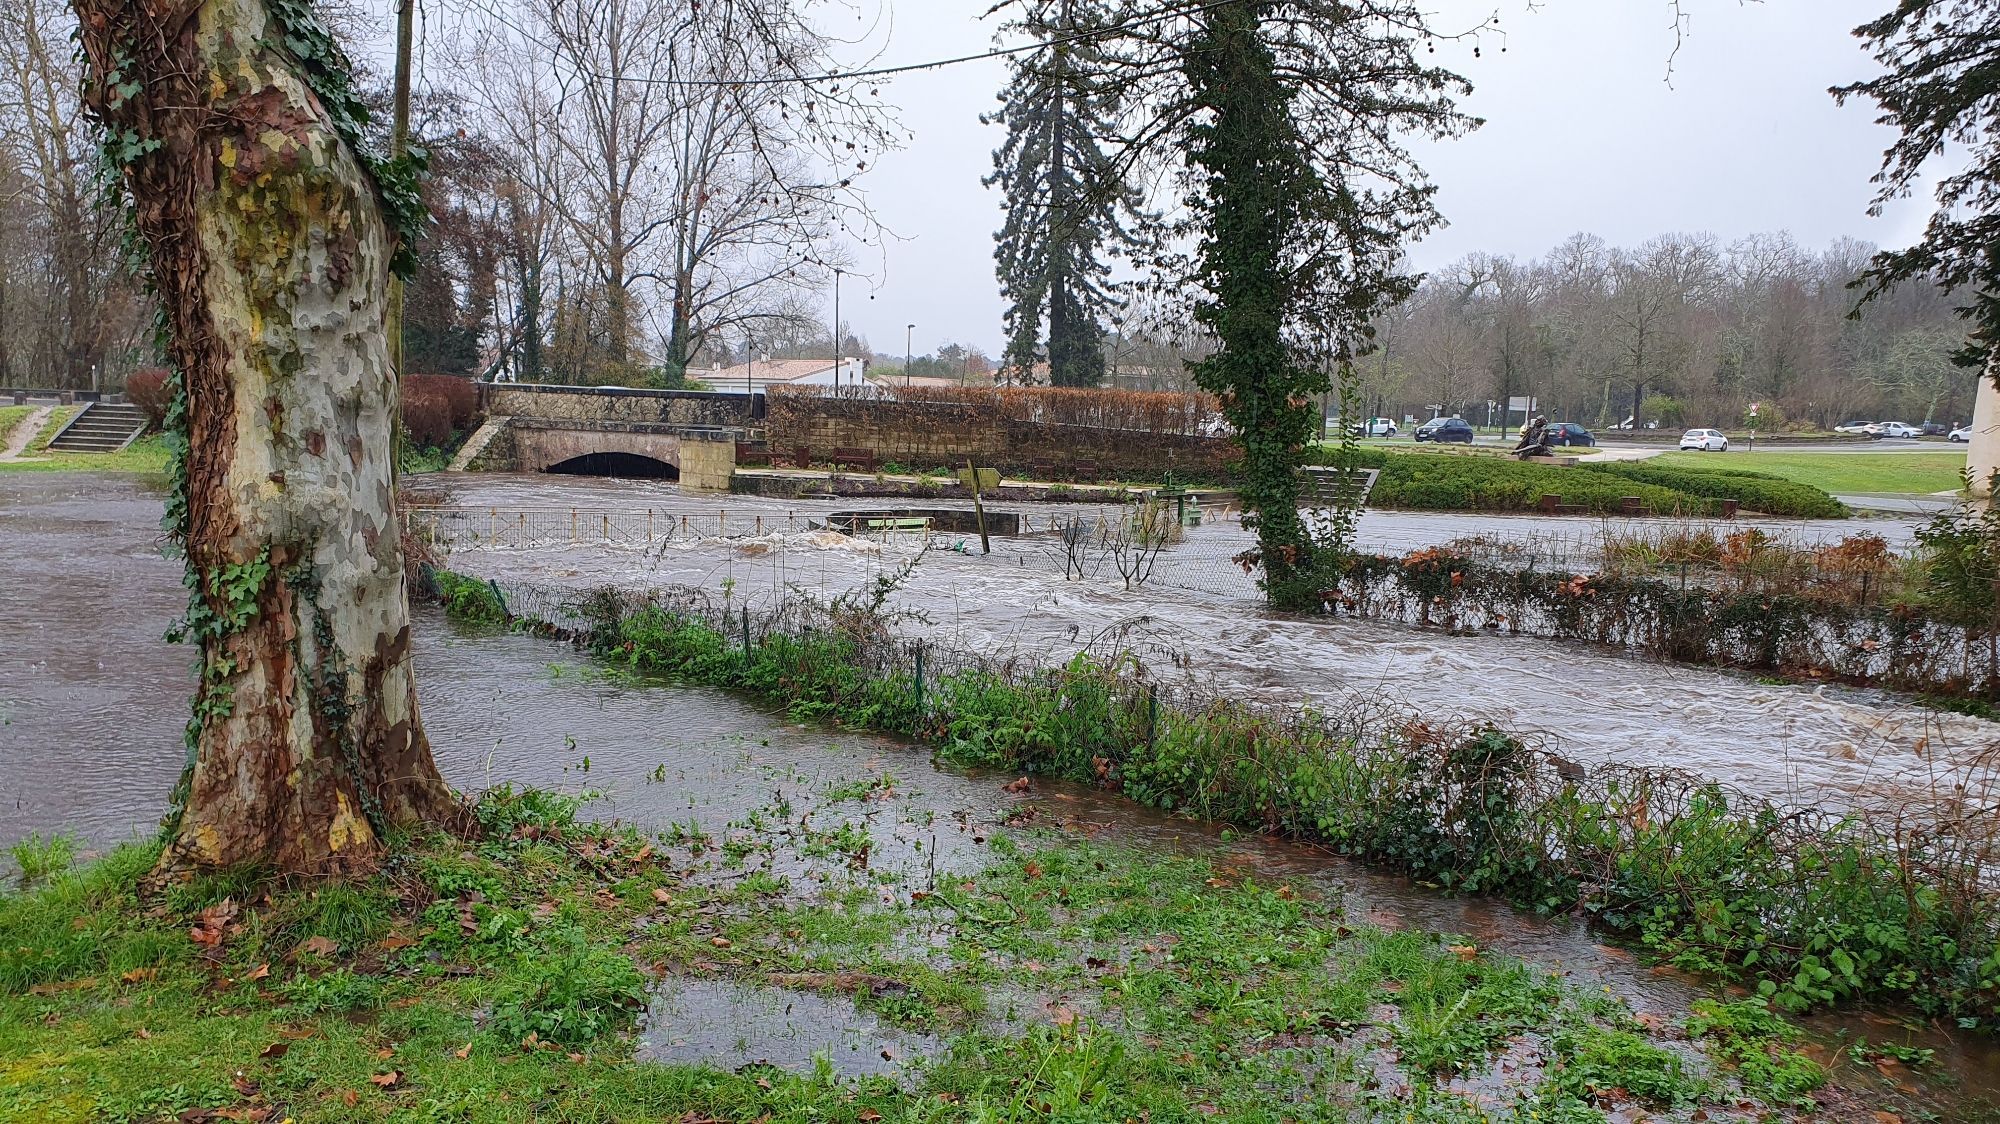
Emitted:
<point x="500" y="978"/>
<point x="11" y="416"/>
<point x="1847" y="473"/>
<point x="147" y="455"/>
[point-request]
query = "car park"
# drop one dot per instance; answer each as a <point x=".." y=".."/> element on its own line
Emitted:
<point x="1439" y="431"/>
<point x="1705" y="441"/>
<point x="1570" y="433"/>
<point x="1934" y="429"/>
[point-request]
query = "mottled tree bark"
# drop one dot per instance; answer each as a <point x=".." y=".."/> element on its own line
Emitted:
<point x="271" y="260"/>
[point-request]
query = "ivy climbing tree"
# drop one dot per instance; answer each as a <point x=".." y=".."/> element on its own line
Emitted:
<point x="1277" y="129"/>
<point x="1068" y="202"/>
<point x="270" y="234"/>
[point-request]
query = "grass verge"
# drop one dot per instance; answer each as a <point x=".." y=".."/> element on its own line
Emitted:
<point x="146" y="456"/>
<point x="501" y="978"/>
<point x="1847" y="473"/>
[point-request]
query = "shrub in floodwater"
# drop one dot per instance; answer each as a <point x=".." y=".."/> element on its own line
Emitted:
<point x="469" y="599"/>
<point x="39" y="858"/>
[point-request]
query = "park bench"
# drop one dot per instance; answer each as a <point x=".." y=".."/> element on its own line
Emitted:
<point x="1554" y="505"/>
<point x="863" y="459"/>
<point x="1631" y="505"/>
<point x="752" y="453"/>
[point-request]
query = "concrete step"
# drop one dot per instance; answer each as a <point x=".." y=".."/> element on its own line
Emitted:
<point x="101" y="427"/>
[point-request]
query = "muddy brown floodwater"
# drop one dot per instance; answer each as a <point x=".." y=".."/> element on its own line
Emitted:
<point x="94" y="703"/>
<point x="1199" y="616"/>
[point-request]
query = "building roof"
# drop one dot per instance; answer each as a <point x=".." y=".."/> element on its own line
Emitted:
<point x="773" y="370"/>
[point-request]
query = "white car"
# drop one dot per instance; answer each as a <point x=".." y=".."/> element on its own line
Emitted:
<point x="1900" y="429"/>
<point x="1962" y="433"/>
<point x="1856" y="428"/>
<point x="1375" y="427"/>
<point x="1705" y="441"/>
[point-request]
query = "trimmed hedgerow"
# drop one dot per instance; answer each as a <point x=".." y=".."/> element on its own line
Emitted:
<point x="1447" y="482"/>
<point x="1755" y="491"/>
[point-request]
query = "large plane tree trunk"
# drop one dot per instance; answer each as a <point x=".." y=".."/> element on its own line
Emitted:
<point x="231" y="126"/>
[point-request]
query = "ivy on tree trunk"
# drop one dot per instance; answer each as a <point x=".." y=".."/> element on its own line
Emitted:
<point x="270" y="236"/>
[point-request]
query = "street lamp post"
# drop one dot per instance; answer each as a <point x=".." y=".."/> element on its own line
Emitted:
<point x="909" y="331"/>
<point x="836" y="329"/>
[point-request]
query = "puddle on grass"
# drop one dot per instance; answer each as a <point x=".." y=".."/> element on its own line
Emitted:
<point x="730" y="1025"/>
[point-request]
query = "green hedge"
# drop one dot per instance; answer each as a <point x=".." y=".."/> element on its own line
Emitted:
<point x="1447" y="482"/>
<point x="1754" y="490"/>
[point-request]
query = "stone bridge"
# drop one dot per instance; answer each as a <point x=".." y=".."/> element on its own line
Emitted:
<point x="683" y="435"/>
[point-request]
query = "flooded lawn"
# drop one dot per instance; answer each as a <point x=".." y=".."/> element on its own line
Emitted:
<point x="891" y="898"/>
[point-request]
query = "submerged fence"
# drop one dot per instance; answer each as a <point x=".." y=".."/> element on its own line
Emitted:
<point x="1822" y="906"/>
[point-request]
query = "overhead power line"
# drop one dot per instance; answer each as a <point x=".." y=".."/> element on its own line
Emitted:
<point x="907" y="68"/>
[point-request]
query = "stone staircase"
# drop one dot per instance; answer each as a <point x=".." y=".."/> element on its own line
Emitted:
<point x="101" y="427"/>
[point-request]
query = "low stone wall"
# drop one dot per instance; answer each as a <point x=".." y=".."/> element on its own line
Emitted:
<point x="926" y="435"/>
<point x="619" y="404"/>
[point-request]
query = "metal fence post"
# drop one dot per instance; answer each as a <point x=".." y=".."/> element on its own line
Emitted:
<point x="746" y="632"/>
<point x="1152" y="716"/>
<point x="920" y="679"/>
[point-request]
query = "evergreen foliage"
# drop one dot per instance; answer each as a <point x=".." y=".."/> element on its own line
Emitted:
<point x="1941" y="88"/>
<point x="1067" y="198"/>
<point x="1281" y="124"/>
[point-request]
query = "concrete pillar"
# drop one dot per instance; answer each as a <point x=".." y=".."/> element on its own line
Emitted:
<point x="1983" y="452"/>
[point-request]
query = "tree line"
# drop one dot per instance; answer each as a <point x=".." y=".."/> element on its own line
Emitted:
<point x="1683" y="329"/>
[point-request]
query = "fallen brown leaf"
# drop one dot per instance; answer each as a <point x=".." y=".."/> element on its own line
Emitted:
<point x="868" y="1116"/>
<point x="349" y="1097"/>
<point x="274" y="1050"/>
<point x="660" y="895"/>
<point x="1464" y="951"/>
<point x="1021" y="785"/>
<point x="319" y="946"/>
<point x="259" y="972"/>
<point x="142" y="1032"/>
<point x="463" y="1052"/>
<point x="386" y="1052"/>
<point x="394" y="941"/>
<point x="137" y="975"/>
<point x="720" y="942"/>
<point x="386" y="1080"/>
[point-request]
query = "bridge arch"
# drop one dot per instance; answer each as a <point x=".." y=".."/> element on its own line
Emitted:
<point x="629" y="466"/>
<point x="587" y="450"/>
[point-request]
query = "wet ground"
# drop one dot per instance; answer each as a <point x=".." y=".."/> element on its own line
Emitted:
<point x="94" y="702"/>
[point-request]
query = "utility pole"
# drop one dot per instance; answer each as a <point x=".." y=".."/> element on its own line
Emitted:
<point x="836" y="329"/>
<point x="399" y="144"/>
<point x="909" y="332"/>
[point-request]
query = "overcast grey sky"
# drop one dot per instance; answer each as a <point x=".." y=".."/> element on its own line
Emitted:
<point x="1582" y="134"/>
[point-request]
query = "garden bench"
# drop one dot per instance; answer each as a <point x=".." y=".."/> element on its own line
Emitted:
<point x="1631" y="505"/>
<point x="751" y="453"/>
<point x="862" y="459"/>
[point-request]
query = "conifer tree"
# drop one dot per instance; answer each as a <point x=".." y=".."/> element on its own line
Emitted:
<point x="1067" y="201"/>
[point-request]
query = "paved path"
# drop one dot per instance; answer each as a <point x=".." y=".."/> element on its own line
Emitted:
<point x="25" y="431"/>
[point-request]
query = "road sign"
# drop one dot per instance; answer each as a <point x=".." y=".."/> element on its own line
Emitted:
<point x="989" y="479"/>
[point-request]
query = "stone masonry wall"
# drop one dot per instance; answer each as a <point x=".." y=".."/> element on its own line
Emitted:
<point x="615" y="404"/>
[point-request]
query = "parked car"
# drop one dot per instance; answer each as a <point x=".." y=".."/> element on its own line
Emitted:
<point x="1705" y="441"/>
<point x="1962" y="433"/>
<point x="1900" y="429"/>
<point x="1570" y="433"/>
<point x="1374" y="427"/>
<point x="1440" y="430"/>
<point x="1856" y="428"/>
<point x="1934" y="429"/>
